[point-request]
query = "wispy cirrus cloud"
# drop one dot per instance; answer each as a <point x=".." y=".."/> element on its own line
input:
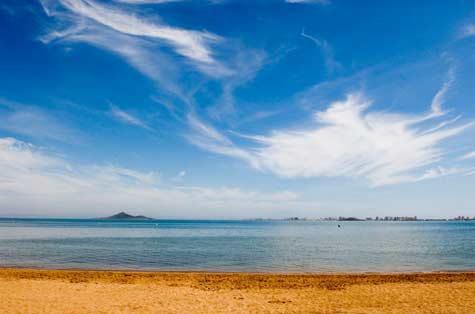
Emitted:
<point x="146" y="1"/>
<point x="127" y="118"/>
<point x="34" y="180"/>
<point x="349" y="140"/>
<point x="188" y="43"/>
<point x="330" y="63"/>
<point x="323" y="2"/>
<point x="141" y="54"/>
<point x="248" y="63"/>
<point x="469" y="155"/>
<point x="139" y="39"/>
<point x="439" y="98"/>
<point x="468" y="30"/>
<point x="34" y="122"/>
<point x="180" y="176"/>
<point x="208" y="138"/>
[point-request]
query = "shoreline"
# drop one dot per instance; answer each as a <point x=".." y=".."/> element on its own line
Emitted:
<point x="232" y="272"/>
<point x="39" y="291"/>
<point x="235" y="272"/>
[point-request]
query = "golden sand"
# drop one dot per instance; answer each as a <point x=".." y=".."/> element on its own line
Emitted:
<point x="88" y="292"/>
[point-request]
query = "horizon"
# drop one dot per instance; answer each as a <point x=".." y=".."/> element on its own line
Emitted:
<point x="288" y="218"/>
<point x="233" y="109"/>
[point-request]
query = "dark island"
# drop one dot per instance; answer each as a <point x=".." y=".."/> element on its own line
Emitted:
<point x="125" y="216"/>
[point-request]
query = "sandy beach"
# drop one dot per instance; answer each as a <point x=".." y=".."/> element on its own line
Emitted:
<point x="78" y="292"/>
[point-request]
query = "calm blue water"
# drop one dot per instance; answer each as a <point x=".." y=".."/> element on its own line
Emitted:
<point x="254" y="246"/>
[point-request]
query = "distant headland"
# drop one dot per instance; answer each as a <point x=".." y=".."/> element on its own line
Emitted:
<point x="125" y="216"/>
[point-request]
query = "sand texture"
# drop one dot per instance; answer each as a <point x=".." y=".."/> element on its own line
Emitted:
<point x="88" y="292"/>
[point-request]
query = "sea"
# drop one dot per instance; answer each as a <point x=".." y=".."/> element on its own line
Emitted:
<point x="238" y="246"/>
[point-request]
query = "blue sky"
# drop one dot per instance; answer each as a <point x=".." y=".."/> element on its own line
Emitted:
<point x="237" y="109"/>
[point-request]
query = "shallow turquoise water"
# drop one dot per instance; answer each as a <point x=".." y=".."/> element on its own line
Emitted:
<point x="254" y="246"/>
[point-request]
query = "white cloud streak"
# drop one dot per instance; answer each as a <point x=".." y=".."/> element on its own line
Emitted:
<point x="330" y="63"/>
<point x="210" y="139"/>
<point x="348" y="140"/>
<point x="180" y="176"/>
<point x="467" y="30"/>
<point x="439" y="171"/>
<point x="139" y="41"/>
<point x="191" y="44"/>
<point x="33" y="122"/>
<point x="322" y="2"/>
<point x="439" y="98"/>
<point x="38" y="183"/>
<point x="127" y="118"/>
<point x="147" y="1"/>
<point x="470" y="155"/>
<point x="139" y="53"/>
<point x="248" y="63"/>
<point x="384" y="148"/>
<point x="96" y="23"/>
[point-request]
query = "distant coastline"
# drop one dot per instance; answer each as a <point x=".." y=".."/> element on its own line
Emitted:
<point x="377" y="218"/>
<point x="126" y="216"/>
